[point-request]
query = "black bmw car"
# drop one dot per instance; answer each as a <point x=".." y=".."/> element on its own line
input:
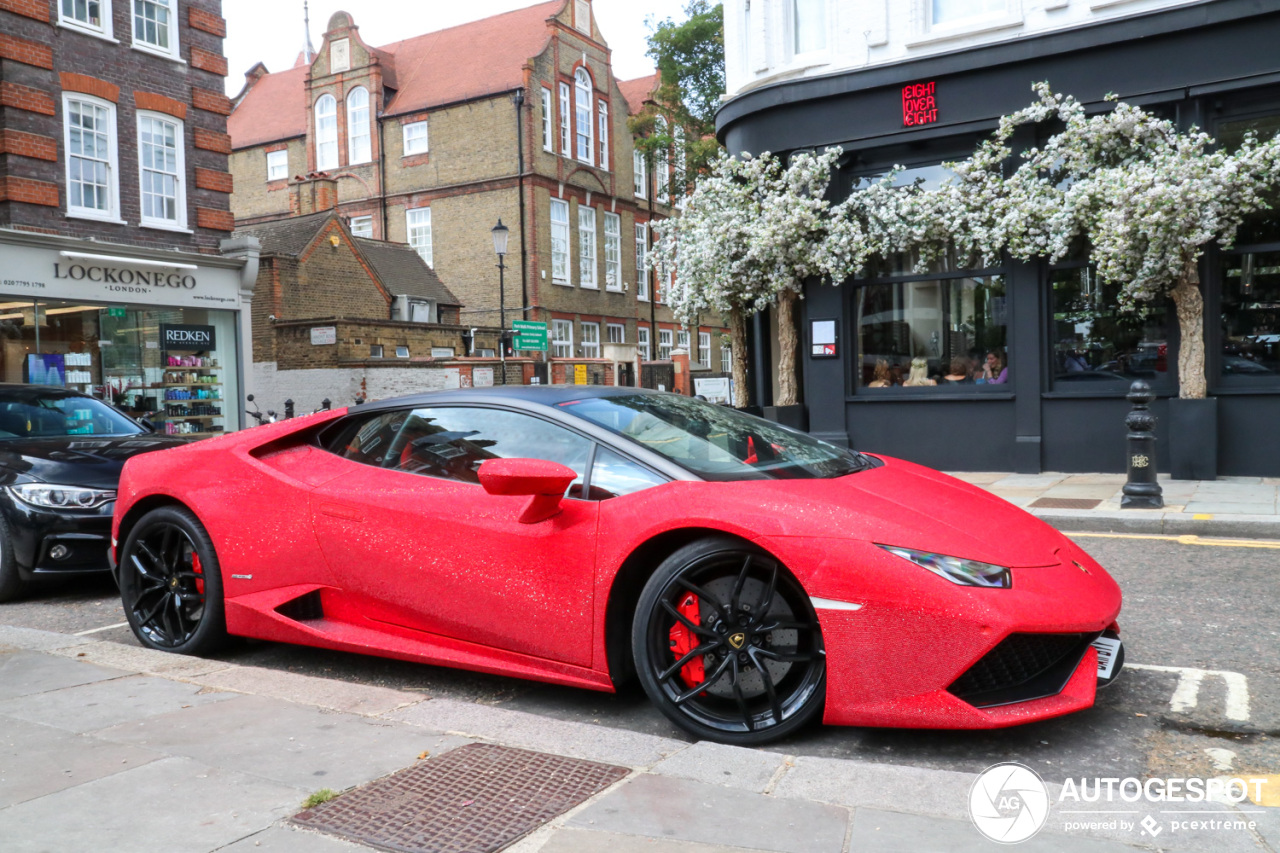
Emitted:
<point x="60" y="458"/>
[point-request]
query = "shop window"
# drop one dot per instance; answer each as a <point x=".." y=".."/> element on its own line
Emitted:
<point x="808" y="26"/>
<point x="1251" y="316"/>
<point x="612" y="252"/>
<point x="92" y="163"/>
<point x="326" y="133"/>
<point x="582" y="113"/>
<point x="359" y="148"/>
<point x="562" y="339"/>
<point x="160" y="171"/>
<point x="91" y="16"/>
<point x="415" y="138"/>
<point x="642" y="342"/>
<point x="932" y="333"/>
<point x="590" y="340"/>
<point x="153" y="27"/>
<point x="362" y="226"/>
<point x="559" y="241"/>
<point x="418" y="222"/>
<point x="1097" y="347"/>
<point x="277" y="165"/>
<point x="587" y="247"/>
<point x="642" y="254"/>
<point x="1263" y="226"/>
<point x="947" y="12"/>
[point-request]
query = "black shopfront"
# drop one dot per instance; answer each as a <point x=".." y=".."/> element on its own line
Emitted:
<point x="1025" y="366"/>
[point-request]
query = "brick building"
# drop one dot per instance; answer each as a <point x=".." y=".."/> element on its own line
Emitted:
<point x="115" y="197"/>
<point x="435" y="138"/>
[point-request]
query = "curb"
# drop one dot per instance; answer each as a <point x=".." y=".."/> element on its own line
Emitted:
<point x="1161" y="523"/>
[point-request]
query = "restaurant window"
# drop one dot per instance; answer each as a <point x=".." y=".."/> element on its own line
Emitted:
<point x="1251" y="315"/>
<point x="1096" y="346"/>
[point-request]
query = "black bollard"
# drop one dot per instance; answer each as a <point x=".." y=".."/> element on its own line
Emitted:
<point x="326" y="404"/>
<point x="288" y="409"/>
<point x="1141" y="491"/>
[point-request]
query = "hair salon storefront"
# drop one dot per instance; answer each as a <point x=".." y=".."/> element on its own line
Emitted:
<point x="1062" y="356"/>
<point x="157" y="333"/>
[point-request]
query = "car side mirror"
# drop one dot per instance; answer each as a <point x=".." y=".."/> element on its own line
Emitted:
<point x="544" y="482"/>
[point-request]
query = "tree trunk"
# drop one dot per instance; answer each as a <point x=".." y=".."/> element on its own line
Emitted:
<point x="788" y="344"/>
<point x="738" y="351"/>
<point x="1190" y="306"/>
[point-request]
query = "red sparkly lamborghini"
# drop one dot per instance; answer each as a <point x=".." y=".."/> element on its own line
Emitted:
<point x="751" y="576"/>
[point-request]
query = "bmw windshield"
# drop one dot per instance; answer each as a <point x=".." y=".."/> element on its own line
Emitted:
<point x="715" y="442"/>
<point x="35" y="411"/>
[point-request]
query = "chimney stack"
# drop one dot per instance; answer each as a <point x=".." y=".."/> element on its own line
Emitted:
<point x="314" y="193"/>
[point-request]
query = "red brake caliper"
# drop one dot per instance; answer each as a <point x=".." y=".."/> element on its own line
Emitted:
<point x="684" y="641"/>
<point x="195" y="567"/>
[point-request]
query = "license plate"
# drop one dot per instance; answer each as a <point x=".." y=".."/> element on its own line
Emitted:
<point x="1108" y="653"/>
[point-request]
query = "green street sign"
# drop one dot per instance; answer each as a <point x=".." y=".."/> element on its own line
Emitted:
<point x="117" y="311"/>
<point x="529" y="335"/>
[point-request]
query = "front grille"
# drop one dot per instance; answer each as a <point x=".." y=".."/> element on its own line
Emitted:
<point x="1021" y="668"/>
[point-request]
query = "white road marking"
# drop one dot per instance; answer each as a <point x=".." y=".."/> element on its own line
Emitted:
<point x="1223" y="759"/>
<point x="1187" y="694"/>
<point x="103" y="628"/>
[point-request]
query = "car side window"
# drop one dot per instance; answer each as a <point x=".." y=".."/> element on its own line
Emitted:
<point x="451" y="442"/>
<point x="366" y="439"/>
<point x="613" y="475"/>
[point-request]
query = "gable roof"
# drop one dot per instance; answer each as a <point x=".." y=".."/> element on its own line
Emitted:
<point x="639" y="90"/>
<point x="470" y="60"/>
<point x="289" y="236"/>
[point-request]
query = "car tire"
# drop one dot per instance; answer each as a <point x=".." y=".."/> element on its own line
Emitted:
<point x="12" y="585"/>
<point x="171" y="584"/>
<point x="723" y="616"/>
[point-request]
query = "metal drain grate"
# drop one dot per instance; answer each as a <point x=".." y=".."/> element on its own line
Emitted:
<point x="477" y="798"/>
<point x="1064" y="503"/>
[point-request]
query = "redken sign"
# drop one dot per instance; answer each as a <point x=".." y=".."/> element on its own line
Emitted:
<point x="187" y="337"/>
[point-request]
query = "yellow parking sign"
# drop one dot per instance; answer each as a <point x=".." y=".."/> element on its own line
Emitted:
<point x="579" y="374"/>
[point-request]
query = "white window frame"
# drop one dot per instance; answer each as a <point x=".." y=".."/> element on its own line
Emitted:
<point x="642" y="342"/>
<point x="587" y="248"/>
<point x="615" y="333"/>
<point x="1007" y="10"/>
<point x="112" y="187"/>
<point x="359" y="145"/>
<point x="329" y="139"/>
<point x="682" y="340"/>
<point x="548" y="122"/>
<point x="662" y="167"/>
<point x="562" y="339"/>
<point x="415" y="137"/>
<point x="640" y="173"/>
<point x="358" y="226"/>
<point x="278" y="161"/>
<point x="642" y="261"/>
<point x="560" y="264"/>
<point x="103" y="29"/>
<point x="583" y="97"/>
<point x="726" y="359"/>
<point x="179" y="174"/>
<point x="417" y="227"/>
<point x="590" y="340"/>
<point x="613" y="252"/>
<point x="704" y="349"/>
<point x="170" y="7"/>
<point x="602" y="117"/>
<point x="664" y="345"/>
<point x="566" y="132"/>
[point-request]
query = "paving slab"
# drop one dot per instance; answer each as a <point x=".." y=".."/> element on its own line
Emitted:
<point x="943" y="793"/>
<point x="1028" y="481"/>
<point x="285" y="839"/>
<point x="1095" y="480"/>
<point x="290" y="744"/>
<point x="1217" y="507"/>
<point x="101" y="704"/>
<point x="37" y="760"/>
<point x="25" y="673"/>
<point x="681" y="809"/>
<point x="363" y="699"/>
<point x="717" y="764"/>
<point x="587" y="841"/>
<point x="1069" y="490"/>
<point x="531" y="731"/>
<point x="174" y="805"/>
<point x="37" y="640"/>
<point x="878" y="831"/>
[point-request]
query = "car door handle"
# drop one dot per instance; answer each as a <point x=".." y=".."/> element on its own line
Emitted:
<point x="340" y="511"/>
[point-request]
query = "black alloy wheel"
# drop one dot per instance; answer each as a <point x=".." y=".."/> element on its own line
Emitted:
<point x="727" y="644"/>
<point x="170" y="583"/>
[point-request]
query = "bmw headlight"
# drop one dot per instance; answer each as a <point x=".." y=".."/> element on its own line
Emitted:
<point x="51" y="496"/>
<point x="956" y="570"/>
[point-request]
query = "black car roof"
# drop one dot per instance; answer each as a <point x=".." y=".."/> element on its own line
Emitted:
<point x="545" y="395"/>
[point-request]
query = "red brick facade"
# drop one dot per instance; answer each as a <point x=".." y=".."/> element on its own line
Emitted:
<point x="26" y="144"/>
<point x="28" y="191"/>
<point x="26" y="98"/>
<point x="212" y="140"/>
<point x="199" y="19"/>
<point x="218" y="220"/>
<point x="210" y="101"/>
<point x="37" y="9"/>
<point x="28" y="52"/>
<point x="87" y="85"/>
<point x="217" y="181"/>
<point x="207" y="60"/>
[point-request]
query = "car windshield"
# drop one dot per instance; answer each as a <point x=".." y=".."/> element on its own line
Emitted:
<point x="34" y="412"/>
<point x="715" y="442"/>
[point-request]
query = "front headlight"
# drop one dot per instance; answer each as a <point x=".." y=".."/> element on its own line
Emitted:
<point x="51" y="496"/>
<point x="956" y="570"/>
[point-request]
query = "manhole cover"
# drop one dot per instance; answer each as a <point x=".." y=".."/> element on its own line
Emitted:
<point x="474" y="799"/>
<point x="1064" y="503"/>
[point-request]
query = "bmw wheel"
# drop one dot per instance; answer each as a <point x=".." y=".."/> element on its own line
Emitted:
<point x="171" y="585"/>
<point x="727" y="644"/>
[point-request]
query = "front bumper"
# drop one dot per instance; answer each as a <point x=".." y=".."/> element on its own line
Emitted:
<point x="34" y="533"/>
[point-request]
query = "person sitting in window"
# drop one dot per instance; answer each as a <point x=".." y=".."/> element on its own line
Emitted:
<point x="994" y="372"/>
<point x="1074" y="362"/>
<point x="959" y="374"/>
<point x="919" y="374"/>
<point x="882" y="377"/>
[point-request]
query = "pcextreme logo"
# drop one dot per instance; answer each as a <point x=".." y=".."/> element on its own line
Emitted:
<point x="1009" y="803"/>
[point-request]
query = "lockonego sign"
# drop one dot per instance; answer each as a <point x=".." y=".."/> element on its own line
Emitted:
<point x="919" y="104"/>
<point x="187" y="337"/>
<point x="127" y="277"/>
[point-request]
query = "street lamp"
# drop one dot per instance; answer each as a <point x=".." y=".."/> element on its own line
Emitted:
<point x="500" y="233"/>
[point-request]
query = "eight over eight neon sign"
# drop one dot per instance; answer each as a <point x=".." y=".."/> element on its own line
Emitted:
<point x="918" y="104"/>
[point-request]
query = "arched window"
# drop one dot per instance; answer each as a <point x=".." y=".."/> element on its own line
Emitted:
<point x="358" y="148"/>
<point x="582" y="113"/>
<point x="326" y="133"/>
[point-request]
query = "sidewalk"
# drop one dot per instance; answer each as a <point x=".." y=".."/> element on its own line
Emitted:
<point x="1229" y="506"/>
<point x="112" y="747"/>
